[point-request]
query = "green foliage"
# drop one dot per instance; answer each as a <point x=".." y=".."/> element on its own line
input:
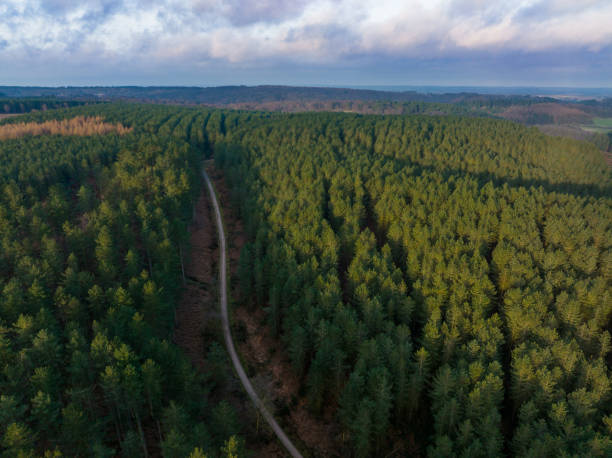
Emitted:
<point x="26" y="104"/>
<point x="451" y="272"/>
<point x="445" y="278"/>
<point x="91" y="229"/>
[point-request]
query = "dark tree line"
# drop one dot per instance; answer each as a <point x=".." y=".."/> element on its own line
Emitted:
<point x="27" y="104"/>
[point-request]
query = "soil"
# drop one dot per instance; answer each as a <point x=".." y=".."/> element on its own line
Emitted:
<point x="198" y="301"/>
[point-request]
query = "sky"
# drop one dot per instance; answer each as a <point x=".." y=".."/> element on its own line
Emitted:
<point x="306" y="42"/>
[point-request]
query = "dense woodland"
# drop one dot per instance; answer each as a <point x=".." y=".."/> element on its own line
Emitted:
<point x="292" y="98"/>
<point x="442" y="283"/>
<point x="91" y="231"/>
<point x="25" y="105"/>
<point x="225" y="95"/>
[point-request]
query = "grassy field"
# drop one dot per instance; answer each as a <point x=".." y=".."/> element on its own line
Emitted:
<point x="601" y="125"/>
<point x="603" y="122"/>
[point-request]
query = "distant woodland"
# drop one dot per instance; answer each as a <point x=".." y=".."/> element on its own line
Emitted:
<point x="290" y="98"/>
<point x="25" y="105"/>
<point x="224" y="95"/>
<point x="565" y="118"/>
<point x="441" y="284"/>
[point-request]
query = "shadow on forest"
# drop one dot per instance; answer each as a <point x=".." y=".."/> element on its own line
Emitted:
<point x="575" y="189"/>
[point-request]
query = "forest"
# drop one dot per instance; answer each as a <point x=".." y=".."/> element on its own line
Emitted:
<point x="438" y="278"/>
<point x="225" y="95"/>
<point x="295" y="98"/>
<point x="442" y="283"/>
<point x="92" y="227"/>
<point x="27" y="104"/>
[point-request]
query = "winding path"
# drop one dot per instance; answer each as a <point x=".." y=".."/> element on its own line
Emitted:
<point x="229" y="343"/>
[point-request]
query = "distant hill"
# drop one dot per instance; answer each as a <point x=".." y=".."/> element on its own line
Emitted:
<point x="225" y="95"/>
<point x="576" y="117"/>
<point x="291" y="99"/>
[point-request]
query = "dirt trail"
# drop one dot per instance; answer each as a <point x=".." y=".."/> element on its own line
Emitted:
<point x="229" y="343"/>
<point x="265" y="356"/>
<point x="273" y="379"/>
<point x="198" y="318"/>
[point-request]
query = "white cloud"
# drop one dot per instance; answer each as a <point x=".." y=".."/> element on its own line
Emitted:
<point x="316" y="30"/>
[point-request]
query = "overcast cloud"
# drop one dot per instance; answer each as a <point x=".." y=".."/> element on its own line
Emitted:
<point x="210" y="42"/>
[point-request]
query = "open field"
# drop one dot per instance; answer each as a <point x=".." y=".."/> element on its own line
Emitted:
<point x="601" y="125"/>
<point x="546" y="113"/>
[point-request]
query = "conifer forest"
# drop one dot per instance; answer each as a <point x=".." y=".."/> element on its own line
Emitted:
<point x="441" y="285"/>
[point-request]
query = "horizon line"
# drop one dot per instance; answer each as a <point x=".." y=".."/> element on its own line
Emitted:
<point x="313" y="85"/>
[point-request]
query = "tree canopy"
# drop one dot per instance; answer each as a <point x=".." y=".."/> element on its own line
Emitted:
<point x="442" y="282"/>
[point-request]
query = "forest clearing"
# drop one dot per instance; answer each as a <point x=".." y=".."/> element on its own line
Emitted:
<point x="79" y="125"/>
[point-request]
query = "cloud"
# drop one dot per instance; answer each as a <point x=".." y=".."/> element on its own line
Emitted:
<point x="538" y="26"/>
<point x="250" y="33"/>
<point x="241" y="13"/>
